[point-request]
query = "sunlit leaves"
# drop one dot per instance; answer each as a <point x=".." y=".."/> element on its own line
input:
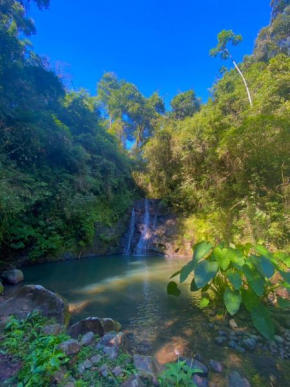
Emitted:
<point x="235" y="279"/>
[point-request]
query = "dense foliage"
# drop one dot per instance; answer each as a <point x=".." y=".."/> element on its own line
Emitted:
<point x="228" y="166"/>
<point x="67" y="159"/>
<point x="60" y="170"/>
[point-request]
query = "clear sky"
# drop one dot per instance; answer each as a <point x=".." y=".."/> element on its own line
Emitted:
<point x="158" y="45"/>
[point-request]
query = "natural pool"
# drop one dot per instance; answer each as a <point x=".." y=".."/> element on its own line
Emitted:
<point x="132" y="290"/>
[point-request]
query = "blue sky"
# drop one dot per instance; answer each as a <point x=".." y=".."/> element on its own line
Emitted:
<point x="158" y="45"/>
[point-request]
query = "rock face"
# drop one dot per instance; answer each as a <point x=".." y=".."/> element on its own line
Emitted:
<point x="98" y="326"/>
<point x="161" y="229"/>
<point x="31" y="298"/>
<point x="12" y="277"/>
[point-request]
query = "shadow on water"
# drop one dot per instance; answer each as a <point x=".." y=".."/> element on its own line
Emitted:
<point x="132" y="290"/>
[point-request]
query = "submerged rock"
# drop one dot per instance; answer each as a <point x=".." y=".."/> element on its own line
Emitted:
<point x="196" y="364"/>
<point x="98" y="326"/>
<point x="13" y="277"/>
<point x="31" y="298"/>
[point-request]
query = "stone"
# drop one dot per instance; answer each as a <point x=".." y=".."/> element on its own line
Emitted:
<point x="1" y="288"/>
<point x="279" y="339"/>
<point x="118" y="371"/>
<point x="233" y="344"/>
<point x="233" y="324"/>
<point x="52" y="329"/>
<point x="199" y="381"/>
<point x="193" y="363"/>
<point x="12" y="277"/>
<point x="223" y="333"/>
<point x="220" y="340"/>
<point x="133" y="381"/>
<point x="96" y="359"/>
<point x="96" y="325"/>
<point x="111" y="352"/>
<point x="145" y="365"/>
<point x="249" y="344"/>
<point x="216" y="365"/>
<point x="111" y="339"/>
<point x="87" y="339"/>
<point x="31" y="298"/>
<point x="87" y="364"/>
<point x="104" y="370"/>
<point x="70" y="347"/>
<point x="235" y="380"/>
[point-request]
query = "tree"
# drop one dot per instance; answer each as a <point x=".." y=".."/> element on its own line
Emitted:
<point x="185" y="104"/>
<point x="225" y="37"/>
<point x="278" y="6"/>
<point x="131" y="115"/>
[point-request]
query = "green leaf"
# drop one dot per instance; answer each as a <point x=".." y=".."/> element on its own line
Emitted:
<point x="200" y="250"/>
<point x="250" y="299"/>
<point x="262" y="250"/>
<point x="204" y="272"/>
<point x="255" y="280"/>
<point x="264" y="266"/>
<point x="283" y="303"/>
<point x="193" y="287"/>
<point x="236" y="256"/>
<point x="223" y="260"/>
<point x="172" y="289"/>
<point x="235" y="279"/>
<point x="186" y="270"/>
<point x="232" y="300"/>
<point x="204" y="302"/>
<point x="263" y="322"/>
<point x="175" y="274"/>
<point x="285" y="275"/>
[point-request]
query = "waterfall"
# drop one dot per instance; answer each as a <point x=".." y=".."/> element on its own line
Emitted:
<point x="144" y="240"/>
<point x="127" y="249"/>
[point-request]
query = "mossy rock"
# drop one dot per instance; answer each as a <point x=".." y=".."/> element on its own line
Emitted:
<point x="32" y="298"/>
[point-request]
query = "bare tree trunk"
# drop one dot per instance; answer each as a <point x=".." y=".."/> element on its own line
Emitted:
<point x="243" y="78"/>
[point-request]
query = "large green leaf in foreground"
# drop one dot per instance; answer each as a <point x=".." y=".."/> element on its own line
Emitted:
<point x="204" y="273"/>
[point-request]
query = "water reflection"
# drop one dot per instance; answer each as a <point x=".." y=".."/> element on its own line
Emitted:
<point x="131" y="290"/>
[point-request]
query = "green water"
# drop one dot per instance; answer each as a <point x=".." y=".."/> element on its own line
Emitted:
<point x="132" y="290"/>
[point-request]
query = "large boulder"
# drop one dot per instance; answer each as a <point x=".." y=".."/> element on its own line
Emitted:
<point x="98" y="326"/>
<point x="12" y="277"/>
<point x="31" y="298"/>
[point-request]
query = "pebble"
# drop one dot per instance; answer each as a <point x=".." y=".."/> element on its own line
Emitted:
<point x="216" y="365"/>
<point x="233" y="324"/>
<point x="237" y="381"/>
<point x="104" y="370"/>
<point x="199" y="381"/>
<point x="220" y="340"/>
<point x="117" y="371"/>
<point x="87" y="339"/>
<point x="233" y="344"/>
<point x="223" y="333"/>
<point x="96" y="359"/>
<point x="279" y="339"/>
<point x="250" y="344"/>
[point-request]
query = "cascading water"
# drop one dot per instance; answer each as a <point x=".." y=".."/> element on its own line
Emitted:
<point x="127" y="249"/>
<point x="144" y="240"/>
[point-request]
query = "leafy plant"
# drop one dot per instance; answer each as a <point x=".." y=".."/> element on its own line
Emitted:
<point x="38" y="352"/>
<point x="241" y="275"/>
<point x="178" y="374"/>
